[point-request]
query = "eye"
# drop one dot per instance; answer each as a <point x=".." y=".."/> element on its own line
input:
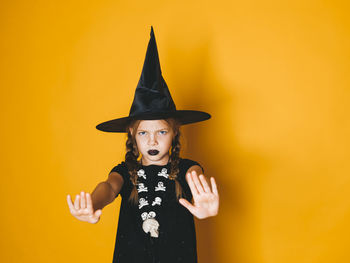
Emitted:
<point x="163" y="132"/>
<point x="141" y="133"/>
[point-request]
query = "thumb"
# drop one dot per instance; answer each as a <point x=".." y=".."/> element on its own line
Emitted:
<point x="187" y="204"/>
<point x="98" y="213"/>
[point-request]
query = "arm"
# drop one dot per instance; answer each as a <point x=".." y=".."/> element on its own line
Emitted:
<point x="105" y="192"/>
<point x="89" y="208"/>
<point x="205" y="200"/>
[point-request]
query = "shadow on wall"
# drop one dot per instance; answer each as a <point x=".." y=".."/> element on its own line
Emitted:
<point x="213" y="144"/>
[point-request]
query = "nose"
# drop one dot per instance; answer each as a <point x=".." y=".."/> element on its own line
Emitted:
<point x="152" y="140"/>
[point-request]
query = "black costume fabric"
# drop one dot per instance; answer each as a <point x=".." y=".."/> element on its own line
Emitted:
<point x="177" y="237"/>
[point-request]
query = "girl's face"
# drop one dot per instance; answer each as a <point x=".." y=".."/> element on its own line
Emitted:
<point x="154" y="138"/>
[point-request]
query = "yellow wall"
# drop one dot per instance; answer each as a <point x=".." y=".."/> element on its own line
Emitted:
<point x="274" y="76"/>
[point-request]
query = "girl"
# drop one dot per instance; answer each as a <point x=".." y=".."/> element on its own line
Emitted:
<point x="156" y="185"/>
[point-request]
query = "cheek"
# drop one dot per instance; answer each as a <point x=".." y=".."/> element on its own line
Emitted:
<point x="167" y="141"/>
<point x="139" y="142"/>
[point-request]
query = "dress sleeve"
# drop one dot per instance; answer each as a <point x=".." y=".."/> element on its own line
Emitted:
<point x="185" y="164"/>
<point x="123" y="171"/>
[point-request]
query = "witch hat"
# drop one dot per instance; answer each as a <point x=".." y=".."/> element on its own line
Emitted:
<point x="152" y="100"/>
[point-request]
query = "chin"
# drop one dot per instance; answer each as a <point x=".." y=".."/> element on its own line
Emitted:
<point x="157" y="157"/>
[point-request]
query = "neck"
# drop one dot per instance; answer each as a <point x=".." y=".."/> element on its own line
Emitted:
<point x="160" y="162"/>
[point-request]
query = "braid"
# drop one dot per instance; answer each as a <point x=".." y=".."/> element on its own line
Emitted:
<point x="132" y="164"/>
<point x="174" y="163"/>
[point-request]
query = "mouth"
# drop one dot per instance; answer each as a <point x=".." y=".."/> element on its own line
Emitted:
<point x="153" y="152"/>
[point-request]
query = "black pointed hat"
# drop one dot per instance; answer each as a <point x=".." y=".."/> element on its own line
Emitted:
<point x="152" y="100"/>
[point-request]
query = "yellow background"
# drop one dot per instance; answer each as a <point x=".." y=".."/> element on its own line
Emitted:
<point x="273" y="74"/>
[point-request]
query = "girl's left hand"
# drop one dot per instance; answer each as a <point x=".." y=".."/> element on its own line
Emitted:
<point x="205" y="200"/>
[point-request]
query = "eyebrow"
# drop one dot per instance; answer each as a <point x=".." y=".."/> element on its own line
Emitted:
<point x="156" y="130"/>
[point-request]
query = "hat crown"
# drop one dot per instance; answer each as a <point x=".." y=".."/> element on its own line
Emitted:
<point x="152" y="94"/>
<point x="152" y="99"/>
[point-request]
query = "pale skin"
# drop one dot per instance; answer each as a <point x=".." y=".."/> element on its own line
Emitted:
<point x="150" y="135"/>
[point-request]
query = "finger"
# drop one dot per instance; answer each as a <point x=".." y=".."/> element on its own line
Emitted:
<point x="196" y="182"/>
<point x="89" y="203"/>
<point x="82" y="200"/>
<point x="70" y="204"/>
<point x="187" y="204"/>
<point x="190" y="182"/>
<point x="204" y="183"/>
<point x="213" y="186"/>
<point x="77" y="202"/>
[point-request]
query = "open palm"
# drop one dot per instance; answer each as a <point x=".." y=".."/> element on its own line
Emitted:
<point x="205" y="200"/>
<point x="82" y="208"/>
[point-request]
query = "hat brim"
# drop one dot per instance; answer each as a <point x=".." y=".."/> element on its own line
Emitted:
<point x="183" y="116"/>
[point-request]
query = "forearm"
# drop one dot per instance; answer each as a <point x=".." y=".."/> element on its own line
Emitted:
<point x="102" y="195"/>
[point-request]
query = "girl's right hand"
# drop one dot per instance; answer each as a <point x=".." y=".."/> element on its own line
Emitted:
<point x="82" y="208"/>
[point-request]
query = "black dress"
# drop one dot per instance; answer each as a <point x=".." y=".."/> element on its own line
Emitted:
<point x="157" y="199"/>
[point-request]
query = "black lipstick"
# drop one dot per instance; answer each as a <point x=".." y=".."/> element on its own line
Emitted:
<point x="153" y="152"/>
